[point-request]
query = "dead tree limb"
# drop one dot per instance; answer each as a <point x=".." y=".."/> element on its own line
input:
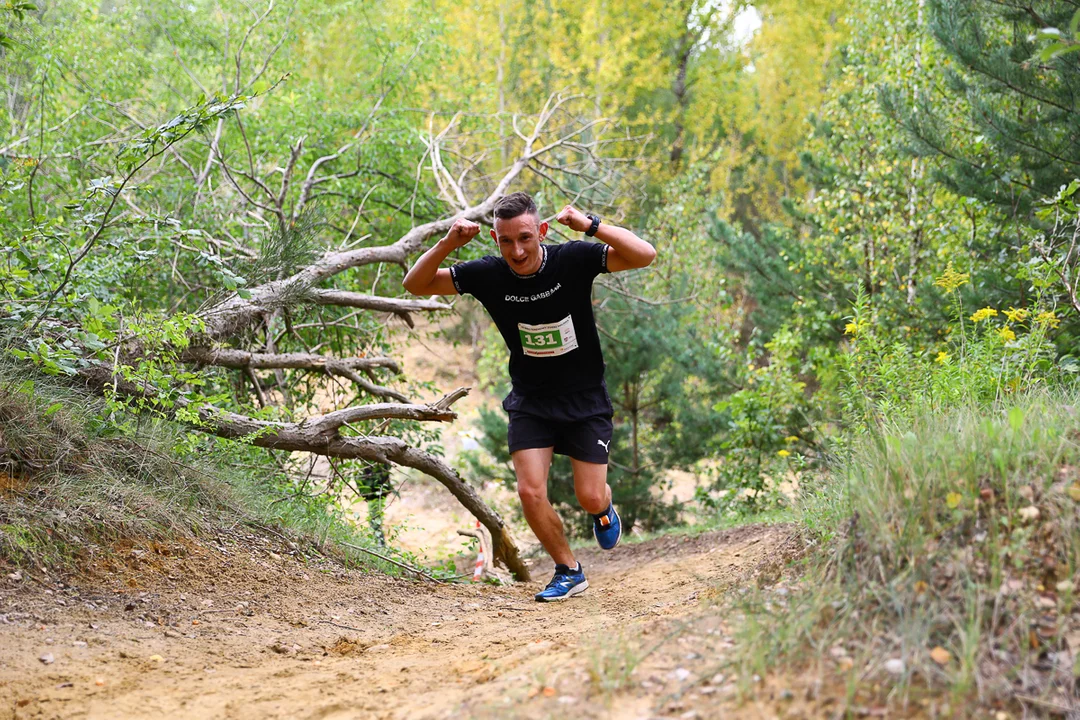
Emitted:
<point x="312" y="437"/>
<point x="321" y="435"/>
<point x="345" y="367"/>
<point x="399" y="307"/>
<point x="239" y="359"/>
<point x="236" y="313"/>
<point x="365" y="384"/>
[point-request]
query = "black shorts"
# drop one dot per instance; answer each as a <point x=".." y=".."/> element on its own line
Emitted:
<point x="576" y="424"/>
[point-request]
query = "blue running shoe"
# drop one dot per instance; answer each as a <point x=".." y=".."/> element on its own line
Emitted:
<point x="607" y="527"/>
<point x="566" y="583"/>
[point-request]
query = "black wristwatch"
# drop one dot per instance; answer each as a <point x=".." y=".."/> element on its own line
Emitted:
<point x="595" y="225"/>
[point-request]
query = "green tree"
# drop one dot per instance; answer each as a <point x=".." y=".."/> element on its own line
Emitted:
<point x="1004" y="116"/>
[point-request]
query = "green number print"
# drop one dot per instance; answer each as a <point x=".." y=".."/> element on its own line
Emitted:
<point x="548" y="339"/>
<point x="541" y="340"/>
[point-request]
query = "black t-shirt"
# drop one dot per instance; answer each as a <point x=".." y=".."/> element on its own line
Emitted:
<point x="545" y="318"/>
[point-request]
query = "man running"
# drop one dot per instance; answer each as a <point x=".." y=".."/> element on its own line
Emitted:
<point x="540" y="297"/>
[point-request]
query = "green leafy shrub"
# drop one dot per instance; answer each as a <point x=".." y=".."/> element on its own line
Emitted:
<point x="988" y="356"/>
<point x="769" y="428"/>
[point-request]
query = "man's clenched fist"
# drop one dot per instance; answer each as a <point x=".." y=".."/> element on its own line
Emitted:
<point x="461" y="232"/>
<point x="573" y="218"/>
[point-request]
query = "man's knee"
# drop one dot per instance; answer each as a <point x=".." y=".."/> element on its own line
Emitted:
<point x="593" y="498"/>
<point x="531" y="492"/>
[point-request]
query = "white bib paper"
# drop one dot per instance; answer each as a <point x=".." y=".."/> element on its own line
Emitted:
<point x="548" y="340"/>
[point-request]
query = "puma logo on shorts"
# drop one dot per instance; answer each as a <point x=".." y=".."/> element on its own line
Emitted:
<point x="605" y="444"/>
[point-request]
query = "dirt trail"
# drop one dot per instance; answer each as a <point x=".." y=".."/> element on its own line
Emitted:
<point x="240" y="630"/>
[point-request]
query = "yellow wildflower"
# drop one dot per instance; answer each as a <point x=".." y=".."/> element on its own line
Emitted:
<point x="1048" y="318"/>
<point x="851" y="329"/>
<point x="1006" y="334"/>
<point x="983" y="314"/>
<point x="951" y="279"/>
<point x="1015" y="315"/>
<point x="942" y="358"/>
<point x="791" y="439"/>
<point x="782" y="453"/>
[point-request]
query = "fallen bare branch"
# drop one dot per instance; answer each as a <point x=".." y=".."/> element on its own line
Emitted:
<point x="401" y="565"/>
<point x="438" y="411"/>
<point x="237" y="359"/>
<point x="370" y="387"/>
<point x="398" y="306"/>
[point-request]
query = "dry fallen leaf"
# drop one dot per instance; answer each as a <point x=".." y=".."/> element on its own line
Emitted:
<point x="549" y="691"/>
<point x="533" y="692"/>
<point x="156" y="658"/>
<point x="1074" y="491"/>
<point x="940" y="655"/>
<point x="1029" y="513"/>
<point x="921" y="587"/>
<point x="953" y="500"/>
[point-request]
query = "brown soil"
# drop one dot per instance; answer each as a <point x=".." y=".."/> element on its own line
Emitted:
<point x="244" y="628"/>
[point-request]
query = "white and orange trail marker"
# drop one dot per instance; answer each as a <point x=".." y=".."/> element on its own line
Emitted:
<point x="484" y="558"/>
<point x="478" y="571"/>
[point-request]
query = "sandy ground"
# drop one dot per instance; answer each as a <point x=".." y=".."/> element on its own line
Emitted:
<point x="242" y="627"/>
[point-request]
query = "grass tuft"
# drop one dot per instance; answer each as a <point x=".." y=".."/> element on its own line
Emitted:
<point x="75" y="480"/>
<point x="950" y="549"/>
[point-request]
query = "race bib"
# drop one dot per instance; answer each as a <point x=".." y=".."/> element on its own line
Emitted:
<point x="548" y="340"/>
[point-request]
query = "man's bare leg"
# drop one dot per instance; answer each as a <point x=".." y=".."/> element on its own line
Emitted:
<point x="590" y="486"/>
<point x="531" y="467"/>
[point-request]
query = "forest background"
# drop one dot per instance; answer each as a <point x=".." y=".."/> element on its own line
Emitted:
<point x="793" y="162"/>
<point x="833" y="190"/>
<point x="867" y="233"/>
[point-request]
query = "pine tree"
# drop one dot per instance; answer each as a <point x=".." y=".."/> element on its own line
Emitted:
<point x="1005" y="116"/>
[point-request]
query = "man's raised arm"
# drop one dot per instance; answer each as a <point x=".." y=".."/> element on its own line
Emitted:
<point x="425" y="277"/>
<point x="627" y="251"/>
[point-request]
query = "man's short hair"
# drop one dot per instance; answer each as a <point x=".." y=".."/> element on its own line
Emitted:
<point x="514" y="204"/>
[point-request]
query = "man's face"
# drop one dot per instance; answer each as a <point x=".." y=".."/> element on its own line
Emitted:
<point x="519" y="241"/>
